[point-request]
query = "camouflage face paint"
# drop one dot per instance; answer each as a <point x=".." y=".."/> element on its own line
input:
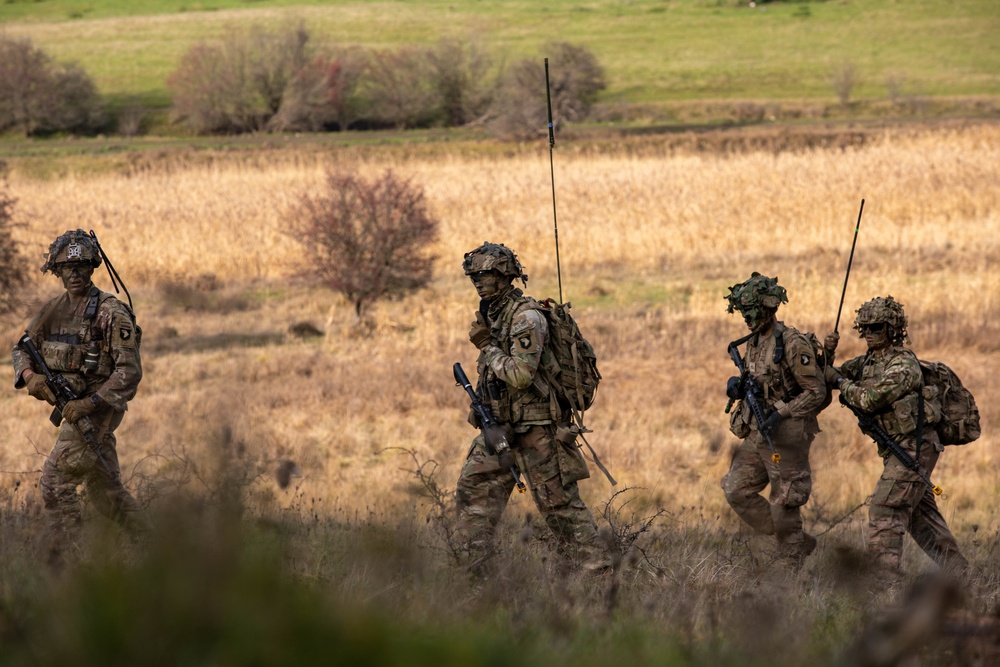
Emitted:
<point x="75" y="276"/>
<point x="487" y="283"/>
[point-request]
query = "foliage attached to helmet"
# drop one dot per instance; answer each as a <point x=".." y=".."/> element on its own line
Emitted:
<point x="756" y="298"/>
<point x="883" y="310"/>
<point x="494" y="257"/>
<point x="73" y="246"/>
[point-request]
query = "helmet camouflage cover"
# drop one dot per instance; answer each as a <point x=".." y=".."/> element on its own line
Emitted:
<point x="73" y="246"/>
<point x="882" y="310"/>
<point x="494" y="257"/>
<point x="756" y="294"/>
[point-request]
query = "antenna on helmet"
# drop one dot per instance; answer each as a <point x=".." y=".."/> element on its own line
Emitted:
<point x="116" y="280"/>
<point x="552" y="173"/>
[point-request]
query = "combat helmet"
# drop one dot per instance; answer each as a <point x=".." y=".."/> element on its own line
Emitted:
<point x="494" y="257"/>
<point x="883" y="310"/>
<point x="73" y="246"/>
<point x="756" y="294"/>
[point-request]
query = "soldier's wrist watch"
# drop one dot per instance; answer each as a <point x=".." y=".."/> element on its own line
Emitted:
<point x="96" y="400"/>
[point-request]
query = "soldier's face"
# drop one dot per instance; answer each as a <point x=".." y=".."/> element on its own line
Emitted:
<point x="75" y="276"/>
<point x="757" y="318"/>
<point x="876" y="335"/>
<point x="487" y="283"/>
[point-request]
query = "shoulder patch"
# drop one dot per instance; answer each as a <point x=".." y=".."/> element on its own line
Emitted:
<point x="804" y="359"/>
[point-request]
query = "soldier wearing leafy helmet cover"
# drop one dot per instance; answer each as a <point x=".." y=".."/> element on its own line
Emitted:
<point x="511" y="334"/>
<point x="887" y="381"/>
<point x="90" y="338"/>
<point x="784" y="363"/>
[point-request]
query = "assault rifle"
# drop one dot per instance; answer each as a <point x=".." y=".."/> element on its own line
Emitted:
<point x="493" y="433"/>
<point x="64" y="394"/>
<point x="870" y="427"/>
<point x="748" y="389"/>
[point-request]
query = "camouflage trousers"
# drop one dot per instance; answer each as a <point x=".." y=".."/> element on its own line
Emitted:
<point x="72" y="462"/>
<point x="903" y="503"/>
<point x="552" y="470"/>
<point x="791" y="483"/>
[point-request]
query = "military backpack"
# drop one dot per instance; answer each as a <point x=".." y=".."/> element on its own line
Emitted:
<point x="571" y="368"/>
<point x="959" y="422"/>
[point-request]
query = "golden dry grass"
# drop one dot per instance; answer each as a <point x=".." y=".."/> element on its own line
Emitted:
<point x="649" y="245"/>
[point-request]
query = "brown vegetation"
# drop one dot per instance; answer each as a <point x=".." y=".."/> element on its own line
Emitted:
<point x="648" y="244"/>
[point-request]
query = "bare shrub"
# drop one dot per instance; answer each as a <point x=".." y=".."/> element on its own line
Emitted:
<point x="367" y="239"/>
<point x="462" y="79"/>
<point x="844" y="79"/>
<point x="575" y="76"/>
<point x="13" y="266"/>
<point x="895" y="84"/>
<point x="132" y="119"/>
<point x="38" y="95"/>
<point x="398" y="88"/>
<point x="263" y="79"/>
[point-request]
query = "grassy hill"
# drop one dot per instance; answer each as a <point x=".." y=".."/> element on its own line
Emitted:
<point x="657" y="53"/>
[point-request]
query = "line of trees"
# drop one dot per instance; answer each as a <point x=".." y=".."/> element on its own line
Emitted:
<point x="282" y="79"/>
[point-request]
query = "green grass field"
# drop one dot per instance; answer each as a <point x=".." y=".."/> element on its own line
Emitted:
<point x="654" y="51"/>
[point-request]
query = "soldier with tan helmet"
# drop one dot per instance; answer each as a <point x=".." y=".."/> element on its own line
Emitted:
<point x="887" y="382"/>
<point x="512" y="335"/>
<point x="89" y="338"/>
<point x="783" y="364"/>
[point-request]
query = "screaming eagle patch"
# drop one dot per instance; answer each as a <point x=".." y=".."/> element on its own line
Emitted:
<point x="804" y="359"/>
<point x="125" y="333"/>
<point x="524" y="341"/>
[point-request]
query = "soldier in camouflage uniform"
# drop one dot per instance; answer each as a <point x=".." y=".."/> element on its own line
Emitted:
<point x="888" y="382"/>
<point x="511" y="333"/>
<point x="784" y="363"/>
<point x="90" y="338"/>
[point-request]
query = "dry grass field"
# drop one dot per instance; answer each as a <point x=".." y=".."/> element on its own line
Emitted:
<point x="649" y="245"/>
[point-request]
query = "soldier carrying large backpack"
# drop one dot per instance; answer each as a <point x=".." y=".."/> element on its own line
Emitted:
<point x="521" y="383"/>
<point x="911" y="408"/>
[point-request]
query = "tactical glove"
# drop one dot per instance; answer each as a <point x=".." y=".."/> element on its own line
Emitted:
<point x="734" y="390"/>
<point x="830" y="374"/>
<point x="830" y="344"/>
<point x="81" y="407"/>
<point x="506" y="459"/>
<point x="771" y="423"/>
<point x="479" y="333"/>
<point x="37" y="388"/>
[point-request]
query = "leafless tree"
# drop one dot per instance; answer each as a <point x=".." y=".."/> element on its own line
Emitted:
<point x="38" y="95"/>
<point x="575" y="79"/>
<point x="843" y="79"/>
<point x="398" y="88"/>
<point x="367" y="239"/>
<point x="465" y="80"/>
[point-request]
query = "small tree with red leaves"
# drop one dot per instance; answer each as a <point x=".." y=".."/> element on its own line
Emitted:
<point x="368" y="239"/>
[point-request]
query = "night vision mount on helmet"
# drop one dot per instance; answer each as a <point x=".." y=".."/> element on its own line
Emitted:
<point x="73" y="246"/>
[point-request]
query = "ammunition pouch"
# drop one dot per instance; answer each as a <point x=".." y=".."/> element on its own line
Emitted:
<point x="901" y="419"/>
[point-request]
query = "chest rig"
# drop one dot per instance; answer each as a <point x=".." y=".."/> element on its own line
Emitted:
<point x="75" y="346"/>
<point x="510" y="405"/>
<point x="775" y="378"/>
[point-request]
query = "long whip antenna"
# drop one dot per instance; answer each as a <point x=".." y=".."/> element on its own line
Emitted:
<point x="850" y="261"/>
<point x="552" y="173"/>
<point x="116" y="279"/>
